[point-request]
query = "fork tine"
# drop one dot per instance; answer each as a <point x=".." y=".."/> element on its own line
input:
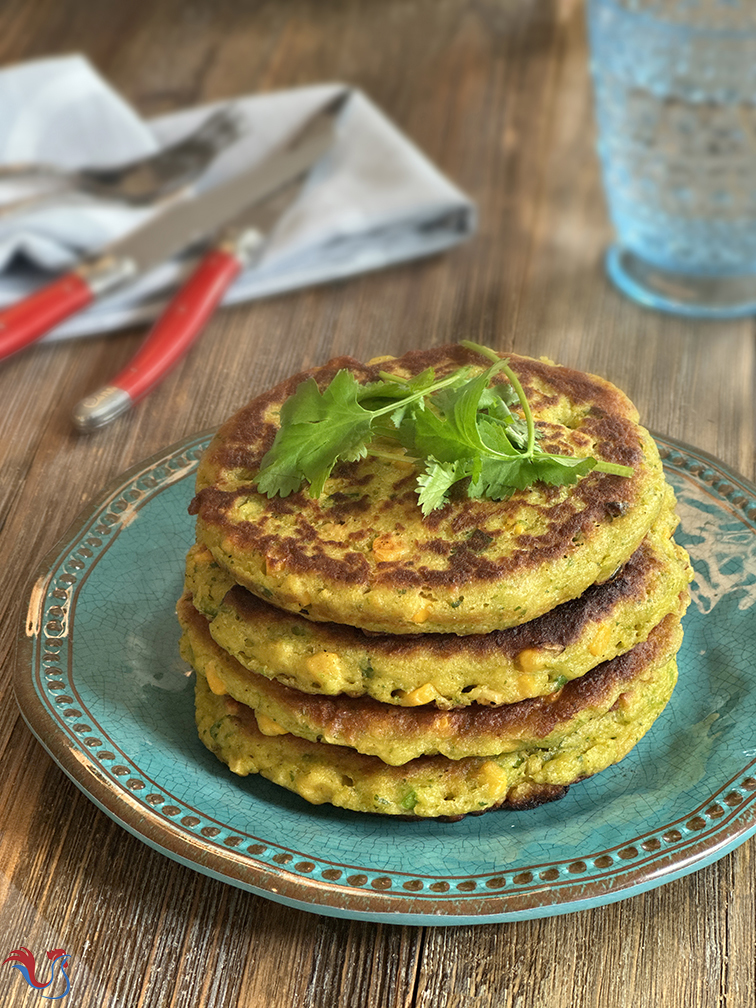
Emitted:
<point x="222" y="126"/>
<point x="216" y="131"/>
<point x="177" y="164"/>
<point x="145" y="180"/>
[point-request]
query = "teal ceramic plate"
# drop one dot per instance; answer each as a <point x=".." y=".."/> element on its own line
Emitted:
<point x="100" y="684"/>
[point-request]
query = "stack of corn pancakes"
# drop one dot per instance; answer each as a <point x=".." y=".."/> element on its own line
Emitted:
<point x="485" y="655"/>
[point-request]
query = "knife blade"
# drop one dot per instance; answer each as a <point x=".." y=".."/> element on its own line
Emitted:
<point x="238" y="246"/>
<point x="183" y="223"/>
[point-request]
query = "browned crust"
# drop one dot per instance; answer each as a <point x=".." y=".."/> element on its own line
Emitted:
<point x="536" y="718"/>
<point x="557" y="628"/>
<point x="608" y="421"/>
<point x="520" y="798"/>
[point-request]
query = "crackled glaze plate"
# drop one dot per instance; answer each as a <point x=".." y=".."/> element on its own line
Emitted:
<point x="100" y="684"/>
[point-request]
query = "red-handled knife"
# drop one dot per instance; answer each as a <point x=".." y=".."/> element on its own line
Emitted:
<point x="171" y="336"/>
<point x="185" y="223"/>
<point x="237" y="247"/>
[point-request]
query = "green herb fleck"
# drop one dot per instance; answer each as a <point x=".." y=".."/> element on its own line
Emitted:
<point x="215" y="727"/>
<point x="367" y="669"/>
<point x="409" y="801"/>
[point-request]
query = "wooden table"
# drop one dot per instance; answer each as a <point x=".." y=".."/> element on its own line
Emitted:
<point x="496" y="93"/>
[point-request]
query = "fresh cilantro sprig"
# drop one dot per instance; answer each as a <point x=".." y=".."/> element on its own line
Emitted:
<point x="456" y="430"/>
<point x="319" y="429"/>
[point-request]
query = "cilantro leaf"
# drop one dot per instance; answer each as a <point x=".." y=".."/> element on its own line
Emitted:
<point x="561" y="470"/>
<point x="317" y="430"/>
<point x="460" y="427"/>
<point x="437" y="480"/>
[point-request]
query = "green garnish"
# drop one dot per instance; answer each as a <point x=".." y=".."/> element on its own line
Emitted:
<point x="456" y="430"/>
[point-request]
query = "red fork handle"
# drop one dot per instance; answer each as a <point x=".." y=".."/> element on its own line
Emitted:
<point x="170" y="338"/>
<point x="28" y="320"/>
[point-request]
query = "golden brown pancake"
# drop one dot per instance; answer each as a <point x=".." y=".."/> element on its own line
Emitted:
<point x="435" y="786"/>
<point x="364" y="555"/>
<point x="399" y="734"/>
<point x="504" y="666"/>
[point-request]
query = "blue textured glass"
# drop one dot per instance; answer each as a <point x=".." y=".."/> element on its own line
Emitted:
<point x="675" y="94"/>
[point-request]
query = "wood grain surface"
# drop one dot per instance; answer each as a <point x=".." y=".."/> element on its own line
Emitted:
<point x="496" y="93"/>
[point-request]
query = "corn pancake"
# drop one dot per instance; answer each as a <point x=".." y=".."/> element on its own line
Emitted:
<point x="364" y="555"/>
<point x="501" y="667"/>
<point x="434" y="786"/>
<point x="397" y="735"/>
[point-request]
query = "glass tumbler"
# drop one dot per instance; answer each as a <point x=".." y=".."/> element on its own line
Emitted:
<point x="675" y="97"/>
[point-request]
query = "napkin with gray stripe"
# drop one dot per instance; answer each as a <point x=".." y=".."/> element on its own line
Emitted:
<point x="375" y="200"/>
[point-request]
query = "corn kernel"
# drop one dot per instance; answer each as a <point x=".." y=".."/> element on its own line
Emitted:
<point x="273" y="566"/>
<point x="324" y="665"/>
<point x="293" y="587"/>
<point x="268" y="726"/>
<point x="421" y="615"/>
<point x="530" y="684"/>
<point x="417" y="697"/>
<point x="600" y="640"/>
<point x="214" y="682"/>
<point x="495" y="777"/>
<point x="389" y="547"/>
<point x="531" y="660"/>
<point x="380" y="360"/>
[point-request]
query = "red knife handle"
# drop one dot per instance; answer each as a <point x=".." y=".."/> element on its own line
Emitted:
<point x="180" y="324"/>
<point x="28" y="320"/>
<point x="171" y="336"/>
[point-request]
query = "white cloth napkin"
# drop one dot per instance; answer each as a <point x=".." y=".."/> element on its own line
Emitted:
<point x="373" y="201"/>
